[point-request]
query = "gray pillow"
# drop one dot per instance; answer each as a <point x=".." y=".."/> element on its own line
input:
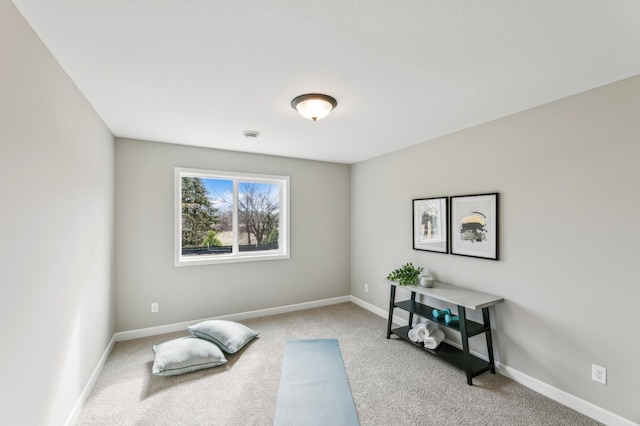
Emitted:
<point x="185" y="354"/>
<point x="230" y="336"/>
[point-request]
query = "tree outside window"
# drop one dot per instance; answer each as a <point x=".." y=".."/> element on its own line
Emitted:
<point x="227" y="216"/>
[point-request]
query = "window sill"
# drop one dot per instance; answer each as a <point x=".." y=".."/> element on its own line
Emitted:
<point x="214" y="260"/>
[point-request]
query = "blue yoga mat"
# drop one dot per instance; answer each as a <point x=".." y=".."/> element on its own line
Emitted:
<point x="314" y="388"/>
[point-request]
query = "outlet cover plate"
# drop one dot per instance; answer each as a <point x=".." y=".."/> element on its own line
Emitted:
<point x="599" y="374"/>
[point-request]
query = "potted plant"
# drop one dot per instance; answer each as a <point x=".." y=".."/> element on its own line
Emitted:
<point x="407" y="274"/>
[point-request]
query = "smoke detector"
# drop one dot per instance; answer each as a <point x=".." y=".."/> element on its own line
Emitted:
<point x="250" y="134"/>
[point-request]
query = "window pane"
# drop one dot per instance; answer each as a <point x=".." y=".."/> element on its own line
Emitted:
<point x="225" y="217"/>
<point x="258" y="216"/>
<point x="206" y="217"/>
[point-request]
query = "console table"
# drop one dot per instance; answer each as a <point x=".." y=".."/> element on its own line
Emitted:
<point x="463" y="299"/>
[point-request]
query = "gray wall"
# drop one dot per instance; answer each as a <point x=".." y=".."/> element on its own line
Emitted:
<point x="319" y="264"/>
<point x="567" y="173"/>
<point x="56" y="232"/>
<point x="568" y="179"/>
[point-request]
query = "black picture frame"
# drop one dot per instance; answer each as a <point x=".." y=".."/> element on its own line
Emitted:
<point x="430" y="224"/>
<point x="473" y="225"/>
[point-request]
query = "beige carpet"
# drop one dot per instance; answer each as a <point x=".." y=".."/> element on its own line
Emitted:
<point x="393" y="382"/>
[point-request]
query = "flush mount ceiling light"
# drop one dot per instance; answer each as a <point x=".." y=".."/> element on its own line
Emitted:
<point x="314" y="106"/>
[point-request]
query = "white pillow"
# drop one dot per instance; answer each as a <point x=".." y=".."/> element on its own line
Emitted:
<point x="185" y="354"/>
<point x="230" y="336"/>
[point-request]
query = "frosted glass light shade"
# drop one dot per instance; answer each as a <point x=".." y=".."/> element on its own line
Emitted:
<point x="314" y="106"/>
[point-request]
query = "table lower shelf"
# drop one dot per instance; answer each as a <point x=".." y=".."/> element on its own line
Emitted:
<point x="448" y="353"/>
<point x="426" y="311"/>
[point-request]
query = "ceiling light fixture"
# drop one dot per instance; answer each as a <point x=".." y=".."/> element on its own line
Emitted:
<point x="314" y="106"/>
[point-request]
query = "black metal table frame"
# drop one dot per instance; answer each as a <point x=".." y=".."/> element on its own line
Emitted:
<point x="462" y="328"/>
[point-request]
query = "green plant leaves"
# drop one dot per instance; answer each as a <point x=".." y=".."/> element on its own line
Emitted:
<point x="407" y="274"/>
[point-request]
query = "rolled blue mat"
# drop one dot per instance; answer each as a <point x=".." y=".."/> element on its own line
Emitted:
<point x="451" y="319"/>
<point x="441" y="314"/>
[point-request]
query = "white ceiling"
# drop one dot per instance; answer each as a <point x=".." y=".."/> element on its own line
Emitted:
<point x="200" y="72"/>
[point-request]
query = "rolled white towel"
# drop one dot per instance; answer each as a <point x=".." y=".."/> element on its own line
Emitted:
<point x="413" y="335"/>
<point x="425" y="329"/>
<point x="419" y="331"/>
<point x="434" y="340"/>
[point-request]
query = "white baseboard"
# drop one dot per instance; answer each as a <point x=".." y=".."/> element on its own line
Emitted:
<point x="77" y="407"/>
<point x="564" y="398"/>
<point x="571" y="401"/>
<point x="152" y="331"/>
<point x="369" y="307"/>
<point x="558" y="395"/>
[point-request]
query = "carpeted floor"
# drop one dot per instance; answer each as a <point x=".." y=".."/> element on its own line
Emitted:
<point x="392" y="382"/>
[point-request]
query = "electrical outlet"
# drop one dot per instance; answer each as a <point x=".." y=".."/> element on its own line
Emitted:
<point x="366" y="288"/>
<point x="599" y="374"/>
<point x="154" y="308"/>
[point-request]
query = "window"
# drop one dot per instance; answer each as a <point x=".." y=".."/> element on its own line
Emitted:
<point x="223" y="217"/>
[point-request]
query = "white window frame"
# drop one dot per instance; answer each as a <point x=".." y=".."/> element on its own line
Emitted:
<point x="236" y="255"/>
